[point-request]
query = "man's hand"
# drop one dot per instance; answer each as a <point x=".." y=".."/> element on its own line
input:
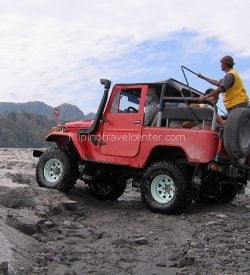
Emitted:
<point x="202" y="97"/>
<point x="200" y="76"/>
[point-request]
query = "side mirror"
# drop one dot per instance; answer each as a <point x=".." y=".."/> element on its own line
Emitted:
<point x="106" y="83"/>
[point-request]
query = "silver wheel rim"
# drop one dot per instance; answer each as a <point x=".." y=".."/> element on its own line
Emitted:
<point x="53" y="170"/>
<point x="163" y="189"/>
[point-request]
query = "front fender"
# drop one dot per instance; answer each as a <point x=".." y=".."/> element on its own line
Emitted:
<point x="62" y="139"/>
<point x="54" y="137"/>
<point x="65" y="140"/>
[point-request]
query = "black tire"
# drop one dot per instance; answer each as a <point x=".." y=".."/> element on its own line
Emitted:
<point x="55" y="169"/>
<point x="164" y="188"/>
<point x="107" y="188"/>
<point x="217" y="189"/>
<point x="237" y="133"/>
<point x="227" y="193"/>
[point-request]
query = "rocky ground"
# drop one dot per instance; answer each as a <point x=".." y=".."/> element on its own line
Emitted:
<point x="46" y="232"/>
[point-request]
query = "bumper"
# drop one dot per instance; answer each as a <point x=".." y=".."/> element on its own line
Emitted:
<point x="37" y="153"/>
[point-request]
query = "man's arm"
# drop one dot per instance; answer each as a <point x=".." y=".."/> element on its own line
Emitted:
<point x="224" y="85"/>
<point x="220" y="120"/>
<point x="214" y="94"/>
<point x="211" y="81"/>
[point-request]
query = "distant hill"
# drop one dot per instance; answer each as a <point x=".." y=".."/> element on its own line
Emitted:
<point x="90" y="116"/>
<point x="68" y="112"/>
<point x="35" y="107"/>
<point x="25" y="125"/>
<point x="24" y="130"/>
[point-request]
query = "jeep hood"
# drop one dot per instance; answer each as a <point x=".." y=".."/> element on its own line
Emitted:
<point x="79" y="124"/>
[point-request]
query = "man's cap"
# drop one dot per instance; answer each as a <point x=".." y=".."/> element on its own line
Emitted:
<point x="227" y="59"/>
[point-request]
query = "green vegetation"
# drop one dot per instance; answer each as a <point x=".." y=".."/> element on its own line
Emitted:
<point x="24" y="130"/>
<point x="25" y="125"/>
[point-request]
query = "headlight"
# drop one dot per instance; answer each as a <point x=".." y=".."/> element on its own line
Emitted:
<point x="56" y="129"/>
<point x="59" y="128"/>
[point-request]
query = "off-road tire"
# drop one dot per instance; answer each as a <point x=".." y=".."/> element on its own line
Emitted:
<point x="227" y="193"/>
<point x="164" y="188"/>
<point x="237" y="132"/>
<point x="55" y="169"/>
<point x="107" y="188"/>
<point x="217" y="189"/>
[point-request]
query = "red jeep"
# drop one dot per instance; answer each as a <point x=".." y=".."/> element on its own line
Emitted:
<point x="181" y="155"/>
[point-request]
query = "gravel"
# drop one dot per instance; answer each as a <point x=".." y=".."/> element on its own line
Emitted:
<point x="73" y="233"/>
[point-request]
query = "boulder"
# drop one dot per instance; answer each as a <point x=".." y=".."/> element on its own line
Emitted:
<point x="16" y="195"/>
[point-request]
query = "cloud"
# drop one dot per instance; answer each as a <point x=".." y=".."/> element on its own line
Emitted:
<point x="55" y="51"/>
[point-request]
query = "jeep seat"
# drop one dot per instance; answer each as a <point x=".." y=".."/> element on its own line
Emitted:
<point x="187" y="114"/>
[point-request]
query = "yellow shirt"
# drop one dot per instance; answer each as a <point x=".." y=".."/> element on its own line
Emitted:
<point x="236" y="94"/>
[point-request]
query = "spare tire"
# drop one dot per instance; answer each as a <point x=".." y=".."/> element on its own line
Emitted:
<point x="236" y="135"/>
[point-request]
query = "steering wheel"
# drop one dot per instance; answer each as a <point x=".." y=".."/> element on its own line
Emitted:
<point x="131" y="109"/>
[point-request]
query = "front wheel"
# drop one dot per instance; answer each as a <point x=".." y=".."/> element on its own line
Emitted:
<point x="164" y="188"/>
<point x="56" y="170"/>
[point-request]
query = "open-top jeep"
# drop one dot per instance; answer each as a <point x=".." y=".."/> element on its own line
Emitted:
<point x="180" y="156"/>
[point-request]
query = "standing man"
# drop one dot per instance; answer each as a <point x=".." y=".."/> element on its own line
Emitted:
<point x="235" y="95"/>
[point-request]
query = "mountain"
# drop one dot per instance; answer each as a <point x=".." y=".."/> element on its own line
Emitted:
<point x="35" y="107"/>
<point x="25" y="125"/>
<point x="90" y="116"/>
<point x="24" y="130"/>
<point x="68" y="112"/>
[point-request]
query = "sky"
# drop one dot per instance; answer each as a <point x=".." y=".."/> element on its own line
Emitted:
<point x="56" y="51"/>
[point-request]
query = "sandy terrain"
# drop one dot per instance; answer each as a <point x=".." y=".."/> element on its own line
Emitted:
<point x="46" y="232"/>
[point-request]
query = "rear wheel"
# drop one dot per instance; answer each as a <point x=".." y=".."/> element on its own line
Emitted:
<point x="164" y="188"/>
<point x="55" y="169"/>
<point x="107" y="187"/>
<point x="217" y="188"/>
